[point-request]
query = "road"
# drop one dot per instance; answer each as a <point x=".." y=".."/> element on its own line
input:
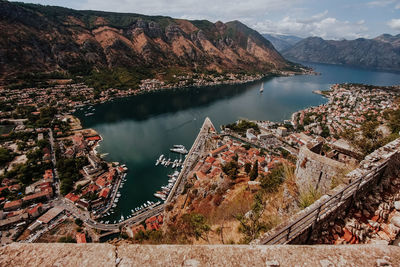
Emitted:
<point x="85" y="216"/>
<point x="54" y="161"/>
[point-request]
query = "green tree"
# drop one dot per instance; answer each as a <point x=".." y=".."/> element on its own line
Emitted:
<point x="250" y="224"/>
<point x="247" y="167"/>
<point x="273" y="179"/>
<point x="195" y="225"/>
<point x="231" y="169"/>
<point x="254" y="171"/>
<point x="78" y="222"/>
<point x="5" y="156"/>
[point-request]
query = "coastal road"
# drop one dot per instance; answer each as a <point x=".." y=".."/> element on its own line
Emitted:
<point x="54" y="161"/>
<point x="85" y="216"/>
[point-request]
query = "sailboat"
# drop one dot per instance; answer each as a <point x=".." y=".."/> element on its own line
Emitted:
<point x="262" y="88"/>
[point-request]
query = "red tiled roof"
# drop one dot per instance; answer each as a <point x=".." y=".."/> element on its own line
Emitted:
<point x="218" y="150"/>
<point x="72" y="197"/>
<point x="94" y="138"/>
<point x="48" y="191"/>
<point x="91" y="188"/>
<point x="34" y="209"/>
<point x="101" y="182"/>
<point x="210" y="160"/>
<point x="104" y="192"/>
<point x="13" y="204"/>
<point x="80" y="238"/>
<point x="151" y="219"/>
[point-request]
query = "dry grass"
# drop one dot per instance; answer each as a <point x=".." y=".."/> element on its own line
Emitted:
<point x="308" y="197"/>
<point x="340" y="178"/>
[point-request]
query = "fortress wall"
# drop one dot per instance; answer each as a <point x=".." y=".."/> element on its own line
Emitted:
<point x="389" y="153"/>
<point x="316" y="171"/>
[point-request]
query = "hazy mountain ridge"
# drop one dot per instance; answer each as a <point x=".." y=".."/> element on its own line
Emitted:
<point x="382" y="52"/>
<point x="282" y="42"/>
<point x="46" y="38"/>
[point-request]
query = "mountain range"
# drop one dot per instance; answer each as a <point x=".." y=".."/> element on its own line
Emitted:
<point x="282" y="42"/>
<point x="47" y="38"/>
<point x="382" y="52"/>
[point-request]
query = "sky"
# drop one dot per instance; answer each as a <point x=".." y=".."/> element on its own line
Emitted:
<point x="329" y="19"/>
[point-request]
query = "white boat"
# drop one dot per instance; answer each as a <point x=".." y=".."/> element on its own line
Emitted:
<point x="262" y="88"/>
<point x="89" y="114"/>
<point x="179" y="146"/>
<point x="161" y="196"/>
<point x="179" y="150"/>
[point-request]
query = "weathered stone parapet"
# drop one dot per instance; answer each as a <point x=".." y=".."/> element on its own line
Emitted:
<point x="71" y="255"/>
<point x="57" y="254"/>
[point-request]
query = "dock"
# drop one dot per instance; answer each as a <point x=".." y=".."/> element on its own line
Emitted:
<point x="192" y="157"/>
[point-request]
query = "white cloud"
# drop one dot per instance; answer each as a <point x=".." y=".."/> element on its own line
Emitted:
<point x="317" y="25"/>
<point x="380" y="3"/>
<point x="394" y="24"/>
<point x="195" y="9"/>
<point x="384" y="3"/>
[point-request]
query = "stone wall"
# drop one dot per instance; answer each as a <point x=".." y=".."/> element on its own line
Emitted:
<point x="71" y="255"/>
<point x="316" y="171"/>
<point x="389" y="153"/>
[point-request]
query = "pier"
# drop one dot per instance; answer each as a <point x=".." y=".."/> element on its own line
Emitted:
<point x="191" y="157"/>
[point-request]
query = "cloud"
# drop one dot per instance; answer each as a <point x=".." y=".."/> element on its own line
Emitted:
<point x="317" y="25"/>
<point x="394" y="24"/>
<point x="380" y="3"/>
<point x="195" y="9"/>
<point x="384" y="3"/>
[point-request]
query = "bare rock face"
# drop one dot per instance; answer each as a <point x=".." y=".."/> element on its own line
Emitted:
<point x="41" y="38"/>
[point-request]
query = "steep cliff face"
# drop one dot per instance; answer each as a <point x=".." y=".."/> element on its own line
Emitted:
<point x="383" y="52"/>
<point x="45" y="38"/>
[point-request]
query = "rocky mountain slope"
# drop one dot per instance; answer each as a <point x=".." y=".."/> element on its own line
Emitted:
<point x="47" y="38"/>
<point x="282" y="42"/>
<point x="382" y="52"/>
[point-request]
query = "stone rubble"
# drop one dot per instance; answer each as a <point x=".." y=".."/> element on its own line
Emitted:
<point x="373" y="219"/>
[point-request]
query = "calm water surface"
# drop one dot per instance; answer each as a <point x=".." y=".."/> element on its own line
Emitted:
<point x="136" y="130"/>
